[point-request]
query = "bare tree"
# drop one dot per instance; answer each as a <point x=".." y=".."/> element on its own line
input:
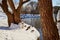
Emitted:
<point x="49" y="29"/>
<point x="13" y="17"/>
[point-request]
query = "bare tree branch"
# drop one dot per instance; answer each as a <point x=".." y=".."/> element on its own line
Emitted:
<point x="25" y="1"/>
<point x="11" y="4"/>
<point x="4" y="6"/>
<point x="21" y="2"/>
<point x="0" y="4"/>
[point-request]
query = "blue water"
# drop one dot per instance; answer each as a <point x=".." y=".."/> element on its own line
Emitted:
<point x="23" y="16"/>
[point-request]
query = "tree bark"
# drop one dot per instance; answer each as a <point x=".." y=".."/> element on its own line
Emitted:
<point x="49" y="29"/>
<point x="10" y="18"/>
<point x="15" y="16"/>
<point x="4" y="6"/>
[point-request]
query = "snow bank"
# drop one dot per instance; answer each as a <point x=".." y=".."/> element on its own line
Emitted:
<point x="22" y="31"/>
<point x="58" y="23"/>
<point x="3" y="19"/>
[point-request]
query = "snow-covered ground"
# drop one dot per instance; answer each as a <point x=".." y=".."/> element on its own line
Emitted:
<point x="58" y="23"/>
<point x="33" y="20"/>
<point x="22" y="31"/>
<point x="3" y="19"/>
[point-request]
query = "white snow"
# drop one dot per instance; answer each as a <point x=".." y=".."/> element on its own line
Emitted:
<point x="16" y="32"/>
<point x="58" y="23"/>
<point x="3" y="19"/>
<point x="58" y="15"/>
<point x="19" y="32"/>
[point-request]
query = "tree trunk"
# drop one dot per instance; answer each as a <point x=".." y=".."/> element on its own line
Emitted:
<point x="16" y="12"/>
<point x="16" y="17"/>
<point x="4" y="6"/>
<point x="49" y="29"/>
<point x="13" y="18"/>
<point x="10" y="18"/>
